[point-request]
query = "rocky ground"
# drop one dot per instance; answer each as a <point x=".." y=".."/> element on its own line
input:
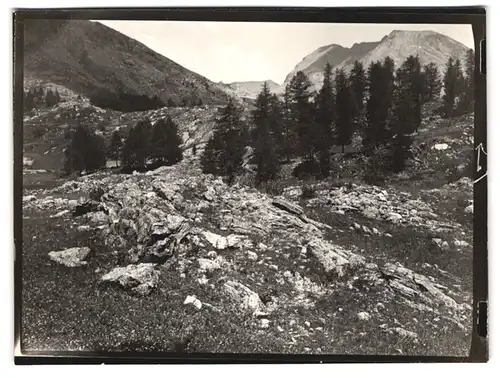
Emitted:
<point x="176" y="260"/>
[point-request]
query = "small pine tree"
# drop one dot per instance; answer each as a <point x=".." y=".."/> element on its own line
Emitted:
<point x="301" y="113"/>
<point x="289" y="145"/>
<point x="325" y="117"/>
<point x="432" y="83"/>
<point x="450" y="88"/>
<point x="224" y="152"/>
<point x="358" y="84"/>
<point x="86" y="151"/>
<point x="344" y="105"/>
<point x="57" y="96"/>
<point x="28" y="101"/>
<point x="173" y="149"/>
<point x="407" y="110"/>
<point x="264" y="137"/>
<point x="466" y="104"/>
<point x="137" y="146"/>
<point x="115" y="147"/>
<point x="378" y="106"/>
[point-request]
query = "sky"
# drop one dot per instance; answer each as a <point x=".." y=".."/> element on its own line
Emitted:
<point x="247" y="51"/>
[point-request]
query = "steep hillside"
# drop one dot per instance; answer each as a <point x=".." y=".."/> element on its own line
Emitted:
<point x="399" y="44"/>
<point x="88" y="57"/>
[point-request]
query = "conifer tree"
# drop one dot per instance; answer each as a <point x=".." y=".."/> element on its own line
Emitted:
<point x="223" y="154"/>
<point x="467" y="97"/>
<point x="115" y="147"/>
<point x="432" y="83"/>
<point x="325" y="117"/>
<point x="380" y="88"/>
<point x="137" y="146"/>
<point x="29" y="101"/>
<point x="265" y="136"/>
<point x="407" y="110"/>
<point x="174" y="141"/>
<point x="302" y="112"/>
<point x="85" y="152"/>
<point x="289" y="146"/>
<point x="450" y="88"/>
<point x="344" y="105"/>
<point x="358" y="84"/>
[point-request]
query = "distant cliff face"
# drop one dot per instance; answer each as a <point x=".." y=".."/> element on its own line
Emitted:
<point x="87" y="57"/>
<point x="399" y="44"/>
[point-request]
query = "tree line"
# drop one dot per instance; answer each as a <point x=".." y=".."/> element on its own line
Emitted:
<point x="146" y="147"/>
<point x="381" y="103"/>
<point x="37" y="97"/>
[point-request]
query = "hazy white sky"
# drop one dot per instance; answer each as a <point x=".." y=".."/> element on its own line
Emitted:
<point x="245" y="51"/>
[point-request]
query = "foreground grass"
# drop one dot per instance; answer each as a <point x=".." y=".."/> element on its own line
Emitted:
<point x="66" y="309"/>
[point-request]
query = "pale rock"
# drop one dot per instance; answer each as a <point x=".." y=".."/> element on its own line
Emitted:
<point x="394" y="217"/>
<point x="245" y="297"/>
<point x="460" y="243"/>
<point x="71" y="257"/>
<point x="375" y="231"/>
<point x="191" y="299"/>
<point x="333" y="257"/>
<point x="366" y="230"/>
<point x="252" y="256"/>
<point x="388" y="235"/>
<point x="207" y="265"/>
<point x="217" y="241"/>
<point x="264" y="323"/>
<point x="212" y="255"/>
<point x="356" y="226"/>
<point x="440" y="146"/>
<point x="60" y="214"/>
<point x="364" y="316"/>
<point x="469" y="209"/>
<point x="140" y="279"/>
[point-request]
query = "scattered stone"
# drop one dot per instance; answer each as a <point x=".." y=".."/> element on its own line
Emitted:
<point x="252" y="256"/>
<point x="394" y="217"/>
<point x="440" y="146"/>
<point x="356" y="226"/>
<point x="246" y="298"/>
<point x="388" y="235"/>
<point x="264" y="323"/>
<point x="207" y="265"/>
<point x="375" y="231"/>
<point x="191" y="299"/>
<point x="262" y="246"/>
<point x="469" y="209"/>
<point x="307" y="324"/>
<point x="282" y="204"/>
<point x="366" y="230"/>
<point x="364" y="316"/>
<point x="333" y="257"/>
<point x="140" y="279"/>
<point x="460" y="243"/>
<point x="60" y="214"/>
<point x="71" y="257"/>
<point x="404" y="333"/>
<point x="29" y="198"/>
<point x="217" y="241"/>
<point x="212" y="255"/>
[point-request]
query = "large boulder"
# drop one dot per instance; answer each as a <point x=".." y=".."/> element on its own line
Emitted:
<point x="71" y="257"/>
<point x="140" y="279"/>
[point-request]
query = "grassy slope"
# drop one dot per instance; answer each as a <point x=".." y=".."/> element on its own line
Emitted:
<point x="67" y="309"/>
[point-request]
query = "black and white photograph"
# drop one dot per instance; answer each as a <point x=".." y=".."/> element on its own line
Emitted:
<point x="248" y="187"/>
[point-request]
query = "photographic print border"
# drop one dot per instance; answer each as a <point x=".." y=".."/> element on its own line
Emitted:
<point x="475" y="16"/>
